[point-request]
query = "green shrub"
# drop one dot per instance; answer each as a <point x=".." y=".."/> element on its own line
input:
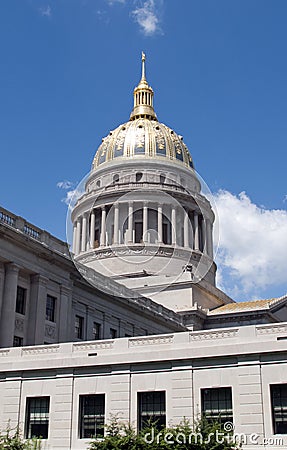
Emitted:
<point x="11" y="439"/>
<point x="202" y="436"/>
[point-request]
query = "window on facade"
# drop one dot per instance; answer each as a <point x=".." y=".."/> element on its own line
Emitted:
<point x="113" y="333"/>
<point x="97" y="330"/>
<point x="92" y="416"/>
<point x="79" y="327"/>
<point x="50" y="308"/>
<point x="279" y="408"/>
<point x="151" y="409"/>
<point x="37" y="417"/>
<point x="17" y="341"/>
<point x="21" y="300"/>
<point x="216" y="404"/>
<point x="116" y="178"/>
<point x="138" y="176"/>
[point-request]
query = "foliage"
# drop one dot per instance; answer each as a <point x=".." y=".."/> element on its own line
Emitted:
<point x="202" y="436"/>
<point x="11" y="439"/>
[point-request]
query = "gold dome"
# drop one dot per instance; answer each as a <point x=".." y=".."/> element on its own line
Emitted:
<point x="143" y="136"/>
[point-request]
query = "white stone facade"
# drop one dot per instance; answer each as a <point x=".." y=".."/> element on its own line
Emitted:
<point x="40" y="266"/>
<point x="249" y="360"/>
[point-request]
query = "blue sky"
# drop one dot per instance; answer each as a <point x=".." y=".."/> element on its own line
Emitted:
<point x="218" y="69"/>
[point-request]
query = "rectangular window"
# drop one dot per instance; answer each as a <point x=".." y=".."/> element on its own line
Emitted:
<point x="79" y="327"/>
<point x="21" y="300"/>
<point x="279" y="408"/>
<point x="92" y="416"/>
<point x="50" y="308"/>
<point x="216" y="404"/>
<point x="17" y="341"/>
<point x="37" y="417"/>
<point x="151" y="409"/>
<point x="113" y="333"/>
<point x="97" y="331"/>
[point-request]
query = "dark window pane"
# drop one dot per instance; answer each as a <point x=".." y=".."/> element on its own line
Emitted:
<point x="50" y="308"/>
<point x="79" y="327"/>
<point x="151" y="409"/>
<point x="37" y="417"/>
<point x="113" y="333"/>
<point x="17" y="341"/>
<point x="92" y="416"/>
<point x="279" y="408"/>
<point x="21" y="300"/>
<point x="97" y="330"/>
<point x="217" y="404"/>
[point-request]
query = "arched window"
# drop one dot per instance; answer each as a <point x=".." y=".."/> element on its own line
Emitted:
<point x="139" y="176"/>
<point x="162" y="179"/>
<point x="99" y="183"/>
<point x="116" y="178"/>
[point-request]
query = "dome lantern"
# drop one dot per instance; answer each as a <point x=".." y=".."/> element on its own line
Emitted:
<point x="143" y="98"/>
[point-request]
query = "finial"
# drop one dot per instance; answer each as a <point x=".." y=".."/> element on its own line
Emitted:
<point x="143" y="66"/>
<point x="143" y="98"/>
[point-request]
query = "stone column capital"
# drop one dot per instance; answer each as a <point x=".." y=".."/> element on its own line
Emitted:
<point x="39" y="279"/>
<point x="65" y="290"/>
<point x="12" y="268"/>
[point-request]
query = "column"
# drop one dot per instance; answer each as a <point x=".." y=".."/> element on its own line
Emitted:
<point x="103" y="227"/>
<point x="209" y="238"/>
<point x="203" y="234"/>
<point x="65" y="333"/>
<point x="130" y="222"/>
<point x="74" y="237"/>
<point x="186" y="230"/>
<point x="173" y="225"/>
<point x="78" y="239"/>
<point x="9" y="305"/>
<point x="116" y="224"/>
<point x="37" y="310"/>
<point x="196" y="231"/>
<point x="159" y="223"/>
<point x="84" y="233"/>
<point x="92" y="229"/>
<point x="2" y="281"/>
<point x="145" y="222"/>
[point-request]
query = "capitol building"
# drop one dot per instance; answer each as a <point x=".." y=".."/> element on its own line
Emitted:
<point x="126" y="318"/>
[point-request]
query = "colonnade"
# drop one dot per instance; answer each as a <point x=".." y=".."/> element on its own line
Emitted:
<point x="185" y="228"/>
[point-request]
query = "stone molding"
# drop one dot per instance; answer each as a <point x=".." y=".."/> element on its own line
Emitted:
<point x="208" y="335"/>
<point x="100" y="345"/>
<point x="158" y="340"/>
<point x="50" y="331"/>
<point x="40" y="349"/>
<point x="19" y="324"/>
<point x="271" y="329"/>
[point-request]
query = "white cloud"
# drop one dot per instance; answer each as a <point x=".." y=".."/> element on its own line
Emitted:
<point x="71" y="197"/>
<point x="72" y="193"/>
<point x="112" y="2"/>
<point x="147" y="17"/>
<point x="65" y="184"/>
<point x="46" y="11"/>
<point x="253" y="245"/>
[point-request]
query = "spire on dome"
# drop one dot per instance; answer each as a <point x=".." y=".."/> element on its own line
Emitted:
<point x="143" y="67"/>
<point x="143" y="98"/>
